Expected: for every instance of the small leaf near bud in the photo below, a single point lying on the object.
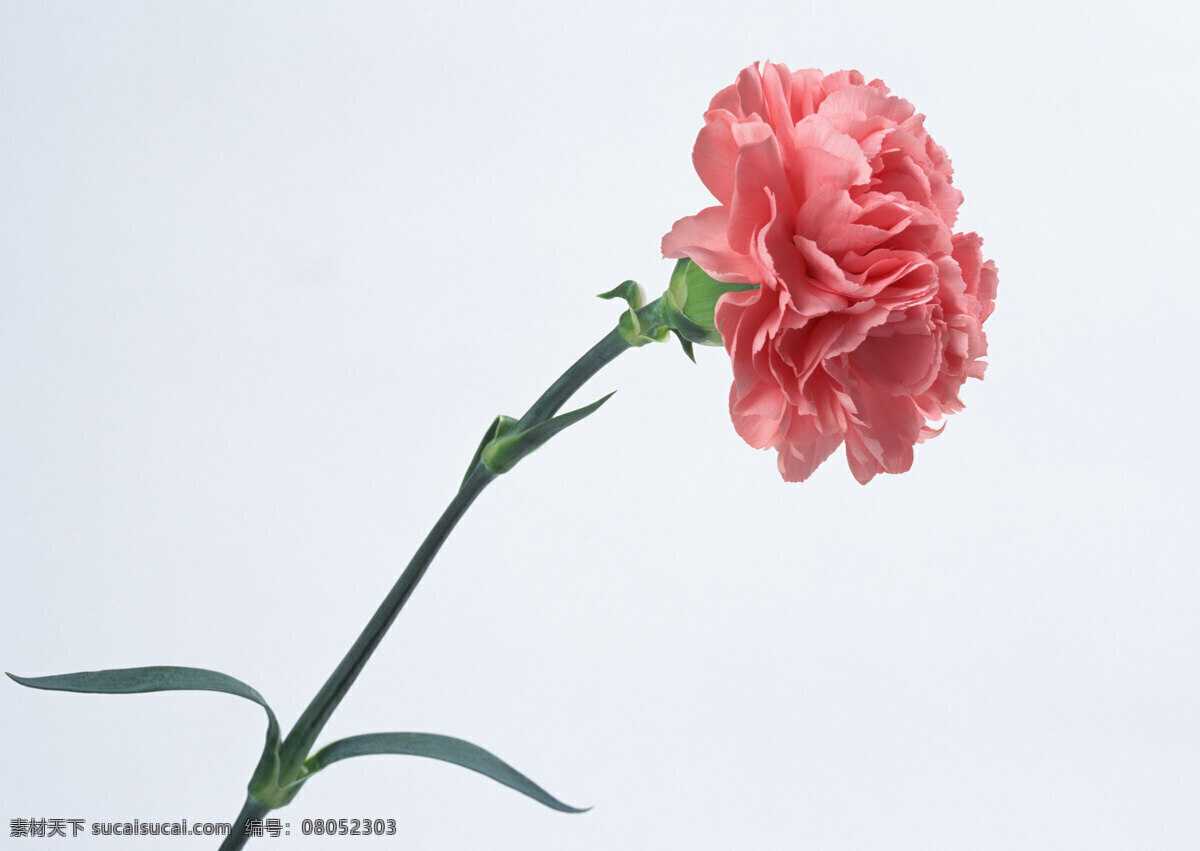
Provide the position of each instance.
(631, 291)
(510, 445)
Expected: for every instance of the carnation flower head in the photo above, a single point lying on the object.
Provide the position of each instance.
(868, 314)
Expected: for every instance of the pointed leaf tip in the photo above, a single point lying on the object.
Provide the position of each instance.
(168, 678)
(434, 746)
(631, 291)
(687, 347)
(503, 452)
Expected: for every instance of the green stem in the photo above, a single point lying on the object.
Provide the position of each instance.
(300, 740)
(560, 391)
(238, 836)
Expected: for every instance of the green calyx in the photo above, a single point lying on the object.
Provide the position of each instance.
(686, 309)
(691, 301)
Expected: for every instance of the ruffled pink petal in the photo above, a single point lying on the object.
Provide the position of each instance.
(798, 461)
(863, 102)
(902, 357)
(757, 413)
(806, 92)
(884, 442)
(758, 181)
(830, 157)
(703, 238)
(715, 154)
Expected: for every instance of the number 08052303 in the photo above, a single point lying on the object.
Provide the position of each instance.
(348, 827)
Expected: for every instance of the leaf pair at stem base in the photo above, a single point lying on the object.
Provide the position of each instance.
(266, 786)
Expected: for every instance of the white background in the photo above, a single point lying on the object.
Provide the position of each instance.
(267, 272)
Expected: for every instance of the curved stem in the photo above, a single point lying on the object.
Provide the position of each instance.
(300, 740)
(557, 393)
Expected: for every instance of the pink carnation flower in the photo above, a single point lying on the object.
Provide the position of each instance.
(867, 321)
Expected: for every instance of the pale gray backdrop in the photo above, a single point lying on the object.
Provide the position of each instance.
(268, 270)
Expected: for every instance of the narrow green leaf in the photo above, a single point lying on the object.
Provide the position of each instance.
(503, 453)
(542, 432)
(631, 291)
(445, 748)
(167, 678)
